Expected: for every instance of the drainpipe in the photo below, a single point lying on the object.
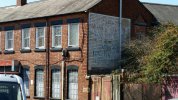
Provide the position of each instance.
(62, 84)
(64, 55)
(120, 32)
(47, 59)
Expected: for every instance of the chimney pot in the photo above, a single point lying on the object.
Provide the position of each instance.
(21, 2)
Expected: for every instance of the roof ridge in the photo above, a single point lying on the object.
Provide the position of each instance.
(160, 4)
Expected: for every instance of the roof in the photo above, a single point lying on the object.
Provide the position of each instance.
(163, 13)
(45, 8)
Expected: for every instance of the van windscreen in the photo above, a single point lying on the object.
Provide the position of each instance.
(10, 91)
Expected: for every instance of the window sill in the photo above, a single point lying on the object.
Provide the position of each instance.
(54, 99)
(35, 97)
(39, 50)
(9, 52)
(27, 96)
(73, 48)
(25, 50)
(53, 49)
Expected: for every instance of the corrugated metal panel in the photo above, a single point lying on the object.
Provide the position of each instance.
(45, 8)
(163, 13)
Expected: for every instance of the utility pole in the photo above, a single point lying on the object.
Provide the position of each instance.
(120, 32)
(62, 70)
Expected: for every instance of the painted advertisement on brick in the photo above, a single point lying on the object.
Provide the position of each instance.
(104, 41)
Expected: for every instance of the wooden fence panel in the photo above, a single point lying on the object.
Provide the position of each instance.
(152, 92)
(106, 88)
(116, 87)
(101, 88)
(132, 92)
(96, 88)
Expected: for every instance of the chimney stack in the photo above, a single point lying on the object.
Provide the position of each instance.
(21, 2)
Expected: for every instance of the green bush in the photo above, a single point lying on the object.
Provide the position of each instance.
(154, 56)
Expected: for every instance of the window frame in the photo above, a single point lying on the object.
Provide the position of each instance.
(69, 24)
(35, 85)
(59, 83)
(6, 40)
(72, 68)
(22, 39)
(37, 44)
(53, 36)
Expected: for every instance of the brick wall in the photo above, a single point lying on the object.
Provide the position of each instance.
(132, 9)
(77, 58)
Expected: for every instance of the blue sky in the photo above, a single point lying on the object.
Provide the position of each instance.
(13, 2)
(172, 2)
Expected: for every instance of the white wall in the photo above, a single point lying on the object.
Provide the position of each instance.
(104, 40)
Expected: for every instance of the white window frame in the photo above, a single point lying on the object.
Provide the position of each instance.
(25, 38)
(69, 35)
(6, 41)
(37, 44)
(27, 90)
(53, 37)
(37, 85)
(71, 96)
(54, 87)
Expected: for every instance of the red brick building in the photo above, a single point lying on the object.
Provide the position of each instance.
(32, 37)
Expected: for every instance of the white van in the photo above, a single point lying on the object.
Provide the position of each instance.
(11, 87)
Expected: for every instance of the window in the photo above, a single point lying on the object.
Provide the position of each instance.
(39, 89)
(26, 78)
(56, 36)
(26, 38)
(140, 35)
(40, 37)
(56, 83)
(9, 40)
(73, 34)
(73, 84)
(10, 91)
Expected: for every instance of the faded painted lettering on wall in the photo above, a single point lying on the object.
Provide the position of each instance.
(104, 41)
